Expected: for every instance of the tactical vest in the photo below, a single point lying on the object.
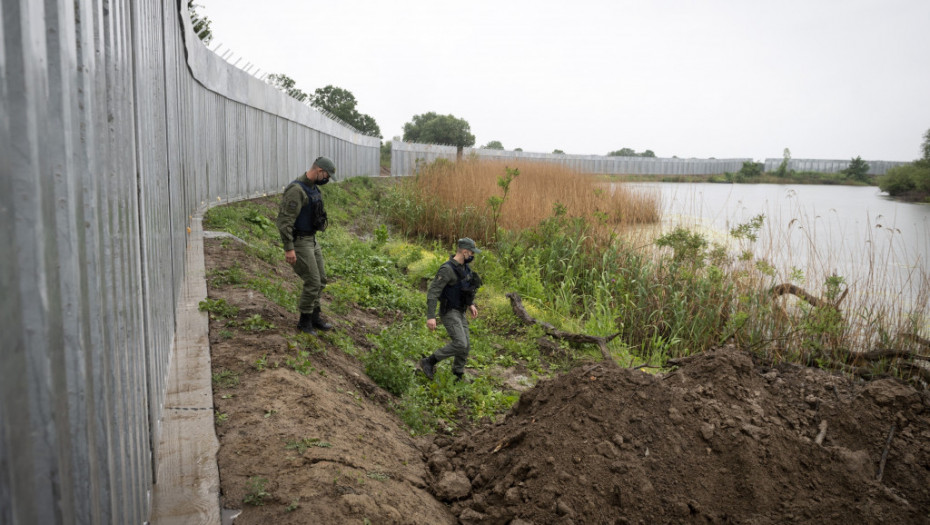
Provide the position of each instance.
(460, 295)
(312, 217)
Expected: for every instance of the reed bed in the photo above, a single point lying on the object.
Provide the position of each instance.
(447, 200)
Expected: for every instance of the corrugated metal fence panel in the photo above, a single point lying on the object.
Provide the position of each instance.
(110, 141)
(406, 157)
(876, 167)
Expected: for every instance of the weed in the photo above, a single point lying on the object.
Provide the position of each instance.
(220, 417)
(261, 363)
(226, 334)
(303, 444)
(255, 492)
(269, 413)
(256, 323)
(294, 505)
(218, 308)
(300, 363)
(226, 379)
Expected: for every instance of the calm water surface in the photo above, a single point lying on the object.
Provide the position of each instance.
(879, 246)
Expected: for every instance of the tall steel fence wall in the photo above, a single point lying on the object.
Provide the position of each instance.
(116, 125)
(407, 156)
(876, 167)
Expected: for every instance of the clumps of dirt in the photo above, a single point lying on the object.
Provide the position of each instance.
(308, 441)
(719, 440)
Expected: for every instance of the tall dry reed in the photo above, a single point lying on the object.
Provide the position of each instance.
(450, 197)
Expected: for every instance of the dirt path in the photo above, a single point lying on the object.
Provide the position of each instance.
(720, 440)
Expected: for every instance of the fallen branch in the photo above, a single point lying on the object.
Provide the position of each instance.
(787, 288)
(881, 465)
(518, 309)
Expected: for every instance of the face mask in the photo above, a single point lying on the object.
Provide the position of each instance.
(469, 259)
(322, 182)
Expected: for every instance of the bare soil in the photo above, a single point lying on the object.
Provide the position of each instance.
(719, 440)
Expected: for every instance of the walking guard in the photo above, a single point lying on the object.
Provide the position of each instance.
(300, 218)
(454, 289)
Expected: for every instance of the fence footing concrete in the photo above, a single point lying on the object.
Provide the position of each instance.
(188, 481)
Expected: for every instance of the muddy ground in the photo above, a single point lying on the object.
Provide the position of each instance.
(718, 440)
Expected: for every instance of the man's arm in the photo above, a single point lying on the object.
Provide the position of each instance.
(444, 276)
(291, 203)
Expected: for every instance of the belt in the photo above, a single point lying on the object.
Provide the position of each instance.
(303, 234)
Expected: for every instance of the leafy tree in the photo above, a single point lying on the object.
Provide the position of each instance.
(630, 152)
(287, 85)
(341, 103)
(623, 152)
(558, 152)
(858, 170)
(518, 149)
(494, 144)
(386, 154)
(750, 169)
(201, 23)
(432, 128)
(782, 170)
(925, 150)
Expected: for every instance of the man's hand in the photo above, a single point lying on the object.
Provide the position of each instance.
(431, 324)
(291, 257)
(473, 310)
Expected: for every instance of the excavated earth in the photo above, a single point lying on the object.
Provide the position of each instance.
(718, 440)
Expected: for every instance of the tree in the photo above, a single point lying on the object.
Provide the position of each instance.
(201, 23)
(287, 85)
(558, 152)
(858, 170)
(386, 154)
(649, 153)
(623, 152)
(432, 128)
(518, 149)
(782, 170)
(494, 144)
(750, 169)
(925, 150)
(341, 104)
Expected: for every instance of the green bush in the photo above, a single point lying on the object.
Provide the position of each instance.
(902, 180)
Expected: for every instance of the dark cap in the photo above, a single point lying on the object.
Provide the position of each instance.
(468, 244)
(325, 164)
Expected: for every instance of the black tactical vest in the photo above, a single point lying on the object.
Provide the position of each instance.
(312, 217)
(460, 295)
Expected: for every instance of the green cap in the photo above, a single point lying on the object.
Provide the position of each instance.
(468, 244)
(325, 164)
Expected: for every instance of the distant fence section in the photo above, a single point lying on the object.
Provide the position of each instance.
(116, 126)
(407, 156)
(876, 167)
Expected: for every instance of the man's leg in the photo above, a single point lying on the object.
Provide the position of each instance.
(309, 271)
(457, 326)
(315, 318)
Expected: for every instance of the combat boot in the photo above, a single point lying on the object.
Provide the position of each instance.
(462, 378)
(305, 324)
(428, 366)
(318, 321)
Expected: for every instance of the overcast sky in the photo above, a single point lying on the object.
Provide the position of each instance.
(825, 78)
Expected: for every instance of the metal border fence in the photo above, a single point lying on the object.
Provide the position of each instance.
(407, 156)
(116, 126)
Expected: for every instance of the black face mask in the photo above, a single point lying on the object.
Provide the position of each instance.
(322, 182)
(469, 259)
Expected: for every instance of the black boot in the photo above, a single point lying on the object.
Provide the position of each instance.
(462, 378)
(305, 324)
(318, 322)
(428, 366)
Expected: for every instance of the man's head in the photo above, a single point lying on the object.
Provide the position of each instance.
(467, 248)
(321, 171)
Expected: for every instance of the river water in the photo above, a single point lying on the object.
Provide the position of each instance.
(880, 247)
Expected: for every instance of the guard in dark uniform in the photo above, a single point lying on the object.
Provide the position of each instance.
(300, 218)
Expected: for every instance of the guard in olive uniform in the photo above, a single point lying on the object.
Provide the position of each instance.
(454, 289)
(300, 218)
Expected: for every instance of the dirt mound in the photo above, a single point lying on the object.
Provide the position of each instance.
(719, 440)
